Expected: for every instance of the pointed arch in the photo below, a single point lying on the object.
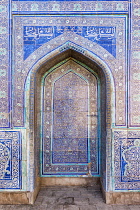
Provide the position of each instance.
(32, 96)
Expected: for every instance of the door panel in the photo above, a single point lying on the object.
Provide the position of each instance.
(70, 138)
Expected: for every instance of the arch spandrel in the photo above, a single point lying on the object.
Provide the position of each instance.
(85, 45)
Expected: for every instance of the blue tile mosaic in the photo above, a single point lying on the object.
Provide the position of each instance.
(103, 29)
(5, 67)
(79, 43)
(67, 106)
(10, 159)
(35, 36)
(127, 161)
(69, 0)
(75, 7)
(130, 160)
(5, 159)
(70, 143)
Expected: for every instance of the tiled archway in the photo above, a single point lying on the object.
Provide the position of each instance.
(34, 113)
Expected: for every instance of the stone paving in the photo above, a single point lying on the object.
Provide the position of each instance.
(69, 198)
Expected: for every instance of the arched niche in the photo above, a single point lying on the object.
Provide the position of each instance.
(33, 111)
(70, 121)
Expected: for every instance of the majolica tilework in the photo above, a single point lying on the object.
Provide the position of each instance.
(69, 0)
(69, 6)
(134, 67)
(10, 160)
(70, 119)
(41, 28)
(4, 64)
(36, 36)
(127, 160)
(117, 65)
(70, 143)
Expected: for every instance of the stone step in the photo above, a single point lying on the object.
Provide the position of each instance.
(93, 182)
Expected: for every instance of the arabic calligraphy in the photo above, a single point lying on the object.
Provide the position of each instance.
(38, 35)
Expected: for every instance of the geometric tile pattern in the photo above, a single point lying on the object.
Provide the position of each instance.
(124, 65)
(134, 84)
(10, 160)
(126, 160)
(70, 143)
(117, 65)
(60, 7)
(4, 64)
(70, 120)
(69, 0)
(5, 158)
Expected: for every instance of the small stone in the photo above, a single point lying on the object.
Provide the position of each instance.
(66, 201)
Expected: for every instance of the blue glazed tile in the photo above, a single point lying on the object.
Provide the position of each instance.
(69, 143)
(127, 161)
(35, 36)
(69, 0)
(10, 168)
